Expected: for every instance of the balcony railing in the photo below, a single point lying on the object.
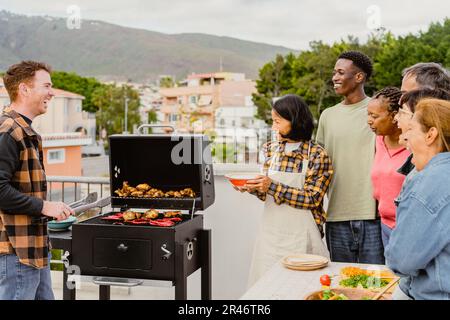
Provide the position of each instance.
(70, 189)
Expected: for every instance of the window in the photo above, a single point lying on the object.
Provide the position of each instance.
(193, 99)
(204, 100)
(56, 156)
(173, 118)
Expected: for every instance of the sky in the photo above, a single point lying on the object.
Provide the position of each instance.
(290, 23)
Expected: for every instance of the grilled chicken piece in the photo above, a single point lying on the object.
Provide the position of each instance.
(188, 192)
(119, 193)
(172, 214)
(137, 194)
(169, 194)
(159, 194)
(177, 194)
(123, 192)
(151, 214)
(127, 189)
(143, 187)
(129, 215)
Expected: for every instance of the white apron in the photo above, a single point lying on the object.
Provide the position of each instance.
(284, 229)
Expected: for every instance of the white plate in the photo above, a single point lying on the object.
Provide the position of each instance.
(304, 260)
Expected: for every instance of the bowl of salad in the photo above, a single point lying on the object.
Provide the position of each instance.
(343, 294)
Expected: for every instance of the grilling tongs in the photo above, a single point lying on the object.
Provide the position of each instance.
(81, 206)
(103, 202)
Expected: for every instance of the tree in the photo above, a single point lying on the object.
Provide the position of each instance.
(152, 116)
(77, 84)
(309, 74)
(166, 82)
(397, 54)
(274, 78)
(312, 75)
(110, 101)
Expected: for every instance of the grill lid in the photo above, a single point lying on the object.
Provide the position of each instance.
(164, 162)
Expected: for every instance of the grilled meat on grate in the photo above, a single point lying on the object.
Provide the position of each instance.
(144, 190)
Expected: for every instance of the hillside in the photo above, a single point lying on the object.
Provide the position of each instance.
(109, 51)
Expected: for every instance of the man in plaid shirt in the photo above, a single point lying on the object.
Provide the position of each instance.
(24, 244)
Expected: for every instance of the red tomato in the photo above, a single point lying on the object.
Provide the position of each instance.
(325, 280)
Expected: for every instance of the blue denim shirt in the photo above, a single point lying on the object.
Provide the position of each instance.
(419, 247)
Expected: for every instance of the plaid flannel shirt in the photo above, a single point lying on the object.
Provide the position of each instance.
(18, 233)
(317, 179)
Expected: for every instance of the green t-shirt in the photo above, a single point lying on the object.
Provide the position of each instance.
(350, 143)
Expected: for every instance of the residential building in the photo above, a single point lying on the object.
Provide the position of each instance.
(238, 129)
(240, 117)
(63, 152)
(151, 100)
(191, 107)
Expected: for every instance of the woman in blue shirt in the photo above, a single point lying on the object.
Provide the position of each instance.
(419, 247)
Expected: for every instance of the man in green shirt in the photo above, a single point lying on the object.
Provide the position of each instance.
(353, 230)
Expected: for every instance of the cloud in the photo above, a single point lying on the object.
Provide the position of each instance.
(291, 23)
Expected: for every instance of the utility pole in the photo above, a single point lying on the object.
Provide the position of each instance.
(126, 114)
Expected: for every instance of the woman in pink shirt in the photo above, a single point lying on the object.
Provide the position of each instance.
(389, 156)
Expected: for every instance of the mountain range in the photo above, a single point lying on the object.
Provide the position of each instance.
(112, 52)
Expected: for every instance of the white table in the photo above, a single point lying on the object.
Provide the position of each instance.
(281, 283)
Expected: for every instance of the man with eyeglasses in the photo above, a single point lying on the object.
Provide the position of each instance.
(423, 75)
(353, 231)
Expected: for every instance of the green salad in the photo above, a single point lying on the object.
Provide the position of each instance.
(363, 281)
(330, 295)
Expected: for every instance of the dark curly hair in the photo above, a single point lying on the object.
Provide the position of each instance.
(360, 60)
(393, 95)
(294, 109)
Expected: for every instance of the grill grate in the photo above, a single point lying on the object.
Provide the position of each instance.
(156, 198)
(99, 221)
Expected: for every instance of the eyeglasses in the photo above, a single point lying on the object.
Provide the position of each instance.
(406, 113)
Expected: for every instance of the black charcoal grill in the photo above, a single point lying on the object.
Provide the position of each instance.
(112, 252)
